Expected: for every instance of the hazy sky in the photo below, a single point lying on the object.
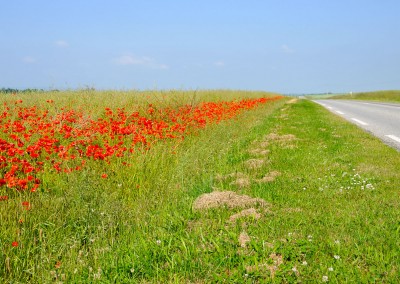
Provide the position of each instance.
(287, 46)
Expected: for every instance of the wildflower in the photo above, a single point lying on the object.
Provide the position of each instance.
(104, 176)
(26, 205)
(330, 269)
(14, 244)
(58, 264)
(324, 278)
(158, 242)
(369, 186)
(336, 256)
(304, 263)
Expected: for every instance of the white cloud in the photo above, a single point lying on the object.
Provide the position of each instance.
(286, 49)
(61, 43)
(29, 59)
(139, 61)
(219, 63)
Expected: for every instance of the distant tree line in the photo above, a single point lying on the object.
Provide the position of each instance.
(12, 91)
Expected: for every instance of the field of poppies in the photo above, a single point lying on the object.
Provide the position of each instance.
(33, 140)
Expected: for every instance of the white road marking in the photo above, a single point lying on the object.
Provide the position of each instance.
(359, 121)
(395, 138)
(339, 112)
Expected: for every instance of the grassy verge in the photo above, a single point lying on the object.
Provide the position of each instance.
(327, 209)
(383, 96)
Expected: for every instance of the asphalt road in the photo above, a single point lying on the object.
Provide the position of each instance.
(380, 119)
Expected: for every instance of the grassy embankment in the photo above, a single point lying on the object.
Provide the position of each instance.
(328, 207)
(381, 96)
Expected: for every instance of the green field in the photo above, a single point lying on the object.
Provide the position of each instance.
(382, 96)
(295, 194)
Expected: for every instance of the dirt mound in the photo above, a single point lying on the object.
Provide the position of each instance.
(254, 163)
(251, 212)
(241, 182)
(292, 101)
(228, 199)
(269, 177)
(258, 151)
(280, 138)
(243, 239)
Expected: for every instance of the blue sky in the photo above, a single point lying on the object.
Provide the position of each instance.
(285, 46)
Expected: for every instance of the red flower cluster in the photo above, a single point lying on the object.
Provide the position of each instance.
(32, 140)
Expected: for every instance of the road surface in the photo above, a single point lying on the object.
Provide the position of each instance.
(381, 119)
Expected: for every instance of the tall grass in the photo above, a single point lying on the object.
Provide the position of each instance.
(330, 215)
(79, 227)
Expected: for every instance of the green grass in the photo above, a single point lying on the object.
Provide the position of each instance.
(383, 96)
(333, 212)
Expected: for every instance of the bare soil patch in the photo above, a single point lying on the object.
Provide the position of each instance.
(280, 138)
(254, 163)
(251, 212)
(229, 199)
(259, 151)
(270, 177)
(243, 239)
(292, 101)
(242, 182)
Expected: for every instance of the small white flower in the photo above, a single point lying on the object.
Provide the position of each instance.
(246, 275)
(294, 269)
(304, 263)
(337, 242)
(324, 278)
(119, 185)
(336, 256)
(330, 268)
(158, 242)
